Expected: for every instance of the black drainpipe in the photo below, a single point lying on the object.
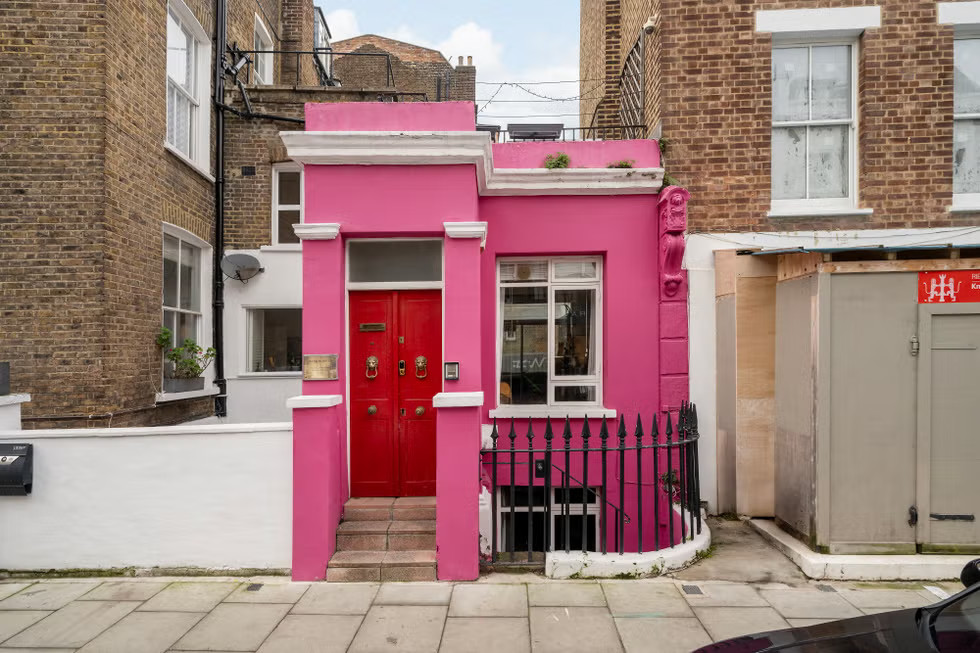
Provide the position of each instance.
(220, 45)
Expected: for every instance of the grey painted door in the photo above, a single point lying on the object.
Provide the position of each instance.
(872, 389)
(949, 395)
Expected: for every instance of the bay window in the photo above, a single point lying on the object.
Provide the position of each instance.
(966, 122)
(550, 346)
(813, 127)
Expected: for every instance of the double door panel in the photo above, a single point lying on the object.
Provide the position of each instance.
(396, 364)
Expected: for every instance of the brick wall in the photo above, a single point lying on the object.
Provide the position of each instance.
(434, 77)
(712, 95)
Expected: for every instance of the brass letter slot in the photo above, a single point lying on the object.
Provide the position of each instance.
(372, 326)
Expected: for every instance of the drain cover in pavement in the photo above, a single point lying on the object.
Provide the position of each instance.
(692, 589)
(254, 587)
(826, 588)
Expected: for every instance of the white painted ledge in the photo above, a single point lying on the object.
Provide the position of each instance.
(317, 231)
(457, 399)
(145, 431)
(822, 566)
(559, 564)
(467, 230)
(551, 412)
(825, 22)
(10, 400)
(164, 397)
(314, 401)
(817, 213)
(965, 16)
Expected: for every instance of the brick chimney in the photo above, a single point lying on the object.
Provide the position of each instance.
(464, 81)
(297, 35)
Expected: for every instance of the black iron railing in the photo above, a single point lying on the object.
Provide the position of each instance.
(251, 70)
(618, 133)
(539, 481)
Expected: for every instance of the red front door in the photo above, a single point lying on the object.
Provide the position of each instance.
(395, 369)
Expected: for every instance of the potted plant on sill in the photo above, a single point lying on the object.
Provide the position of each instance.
(186, 363)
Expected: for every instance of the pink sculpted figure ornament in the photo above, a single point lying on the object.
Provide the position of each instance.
(673, 222)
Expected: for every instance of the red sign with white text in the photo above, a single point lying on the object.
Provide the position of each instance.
(950, 286)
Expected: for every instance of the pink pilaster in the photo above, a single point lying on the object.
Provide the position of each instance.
(459, 406)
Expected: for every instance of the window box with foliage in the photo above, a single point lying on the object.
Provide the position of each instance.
(184, 365)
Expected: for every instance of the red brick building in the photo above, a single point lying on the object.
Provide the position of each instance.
(108, 185)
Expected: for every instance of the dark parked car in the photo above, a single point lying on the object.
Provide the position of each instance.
(950, 625)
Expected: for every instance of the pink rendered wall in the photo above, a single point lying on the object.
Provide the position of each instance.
(390, 116)
(583, 154)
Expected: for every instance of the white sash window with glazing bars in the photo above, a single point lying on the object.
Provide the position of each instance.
(966, 122)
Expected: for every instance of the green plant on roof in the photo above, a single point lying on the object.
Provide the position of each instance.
(556, 160)
(624, 163)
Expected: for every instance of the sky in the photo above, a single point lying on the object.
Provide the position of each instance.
(510, 41)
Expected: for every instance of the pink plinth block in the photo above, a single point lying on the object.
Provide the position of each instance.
(458, 493)
(319, 476)
(390, 116)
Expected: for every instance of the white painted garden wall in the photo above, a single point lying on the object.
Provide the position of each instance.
(206, 496)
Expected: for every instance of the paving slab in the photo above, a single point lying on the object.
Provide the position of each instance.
(46, 596)
(572, 594)
(583, 630)
(9, 589)
(414, 594)
(234, 626)
(723, 594)
(312, 633)
(37, 650)
(123, 591)
(893, 599)
(146, 632)
(876, 610)
(14, 621)
(803, 623)
(467, 634)
(73, 625)
(402, 628)
(268, 593)
(335, 598)
(636, 598)
(671, 634)
(725, 623)
(809, 604)
(740, 554)
(488, 601)
(189, 597)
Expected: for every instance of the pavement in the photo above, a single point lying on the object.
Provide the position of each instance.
(744, 586)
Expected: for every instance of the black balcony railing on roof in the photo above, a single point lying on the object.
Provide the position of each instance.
(538, 506)
(322, 58)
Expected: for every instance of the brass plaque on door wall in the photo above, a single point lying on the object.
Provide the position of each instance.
(372, 326)
(320, 367)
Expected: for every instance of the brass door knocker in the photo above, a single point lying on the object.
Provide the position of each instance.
(420, 368)
(372, 366)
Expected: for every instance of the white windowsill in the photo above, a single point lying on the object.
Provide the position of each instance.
(189, 162)
(271, 375)
(554, 412)
(803, 212)
(964, 209)
(164, 397)
(284, 247)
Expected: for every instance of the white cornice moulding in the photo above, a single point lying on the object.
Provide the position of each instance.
(317, 231)
(314, 401)
(454, 148)
(457, 399)
(827, 22)
(965, 16)
(467, 230)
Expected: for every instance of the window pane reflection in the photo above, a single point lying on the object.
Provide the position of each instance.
(574, 332)
(524, 354)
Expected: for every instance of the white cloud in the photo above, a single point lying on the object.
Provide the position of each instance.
(342, 24)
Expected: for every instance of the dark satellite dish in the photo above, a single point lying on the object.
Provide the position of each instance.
(241, 266)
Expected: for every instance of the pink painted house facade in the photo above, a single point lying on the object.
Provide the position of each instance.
(450, 284)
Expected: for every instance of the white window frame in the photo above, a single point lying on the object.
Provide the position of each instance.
(248, 312)
(278, 168)
(551, 407)
(806, 206)
(966, 201)
(204, 324)
(199, 157)
(263, 71)
(593, 508)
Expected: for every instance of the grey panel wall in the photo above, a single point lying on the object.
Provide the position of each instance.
(795, 404)
(725, 370)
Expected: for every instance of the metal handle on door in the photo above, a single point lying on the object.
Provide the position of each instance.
(372, 410)
(420, 411)
(420, 366)
(372, 366)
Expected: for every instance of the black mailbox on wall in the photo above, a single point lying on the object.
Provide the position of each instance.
(16, 469)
